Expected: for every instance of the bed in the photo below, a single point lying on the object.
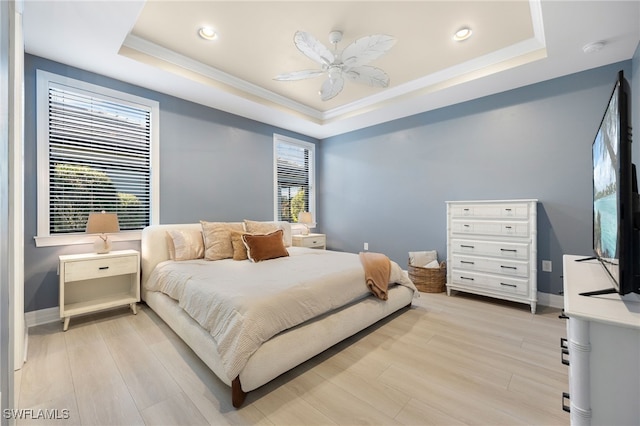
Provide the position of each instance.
(177, 292)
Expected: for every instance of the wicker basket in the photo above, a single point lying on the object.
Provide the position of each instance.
(429, 280)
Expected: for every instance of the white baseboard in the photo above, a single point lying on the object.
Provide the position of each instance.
(43, 316)
(552, 300)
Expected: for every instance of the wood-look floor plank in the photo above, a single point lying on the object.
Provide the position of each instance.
(453, 360)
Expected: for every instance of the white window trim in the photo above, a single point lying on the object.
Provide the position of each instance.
(43, 238)
(312, 172)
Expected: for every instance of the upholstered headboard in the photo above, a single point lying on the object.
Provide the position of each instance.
(154, 248)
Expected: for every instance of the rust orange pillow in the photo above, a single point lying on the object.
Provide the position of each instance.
(264, 247)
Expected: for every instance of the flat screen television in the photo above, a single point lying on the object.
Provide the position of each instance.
(615, 195)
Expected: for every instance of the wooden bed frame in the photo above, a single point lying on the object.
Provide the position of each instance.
(281, 353)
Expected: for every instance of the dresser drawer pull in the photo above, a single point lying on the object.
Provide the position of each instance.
(507, 227)
(508, 267)
(509, 285)
(466, 226)
(467, 262)
(564, 348)
(565, 407)
(508, 210)
(103, 268)
(467, 278)
(510, 250)
(466, 246)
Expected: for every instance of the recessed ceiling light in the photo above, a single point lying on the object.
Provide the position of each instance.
(462, 34)
(593, 47)
(207, 33)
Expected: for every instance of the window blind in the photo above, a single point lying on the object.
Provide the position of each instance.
(99, 159)
(294, 183)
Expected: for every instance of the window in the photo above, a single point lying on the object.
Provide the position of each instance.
(96, 150)
(294, 178)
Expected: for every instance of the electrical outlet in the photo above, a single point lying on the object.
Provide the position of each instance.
(546, 266)
(366, 246)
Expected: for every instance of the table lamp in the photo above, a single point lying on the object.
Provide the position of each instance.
(306, 219)
(103, 224)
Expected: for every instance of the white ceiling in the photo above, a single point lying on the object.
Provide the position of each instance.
(154, 44)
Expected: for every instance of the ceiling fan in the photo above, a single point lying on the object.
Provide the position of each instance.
(350, 63)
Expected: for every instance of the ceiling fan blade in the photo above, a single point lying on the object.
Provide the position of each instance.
(312, 48)
(369, 75)
(298, 75)
(366, 49)
(331, 87)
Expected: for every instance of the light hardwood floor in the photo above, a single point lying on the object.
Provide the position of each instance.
(448, 360)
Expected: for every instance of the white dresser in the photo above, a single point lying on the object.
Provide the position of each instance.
(492, 249)
(603, 348)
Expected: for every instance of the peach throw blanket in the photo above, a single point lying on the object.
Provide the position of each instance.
(377, 270)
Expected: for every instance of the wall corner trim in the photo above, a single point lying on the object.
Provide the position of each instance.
(42, 316)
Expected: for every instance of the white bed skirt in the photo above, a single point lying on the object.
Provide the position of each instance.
(284, 351)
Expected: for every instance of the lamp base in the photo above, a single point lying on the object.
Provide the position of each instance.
(102, 246)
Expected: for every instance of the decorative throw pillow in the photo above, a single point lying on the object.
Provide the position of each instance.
(257, 227)
(421, 258)
(217, 239)
(185, 244)
(239, 249)
(264, 247)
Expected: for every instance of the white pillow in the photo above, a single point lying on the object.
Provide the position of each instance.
(185, 244)
(267, 227)
(417, 258)
(433, 264)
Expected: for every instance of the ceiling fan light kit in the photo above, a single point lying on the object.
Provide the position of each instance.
(350, 63)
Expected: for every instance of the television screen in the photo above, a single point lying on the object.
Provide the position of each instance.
(616, 237)
(606, 168)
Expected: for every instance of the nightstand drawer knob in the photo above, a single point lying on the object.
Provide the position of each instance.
(102, 268)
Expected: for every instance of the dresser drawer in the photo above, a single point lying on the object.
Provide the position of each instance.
(97, 268)
(496, 228)
(495, 266)
(491, 211)
(519, 251)
(506, 285)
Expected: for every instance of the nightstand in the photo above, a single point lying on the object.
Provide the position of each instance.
(92, 282)
(311, 240)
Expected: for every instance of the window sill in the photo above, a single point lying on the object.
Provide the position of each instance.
(74, 239)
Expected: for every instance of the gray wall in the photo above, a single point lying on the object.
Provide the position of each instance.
(387, 185)
(213, 166)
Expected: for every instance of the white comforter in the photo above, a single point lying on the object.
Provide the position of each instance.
(243, 304)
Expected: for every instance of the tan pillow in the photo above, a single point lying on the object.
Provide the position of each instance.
(264, 247)
(257, 227)
(185, 244)
(239, 249)
(217, 239)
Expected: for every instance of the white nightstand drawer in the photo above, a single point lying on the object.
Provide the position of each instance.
(97, 268)
(310, 241)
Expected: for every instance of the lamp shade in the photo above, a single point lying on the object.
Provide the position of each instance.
(102, 223)
(305, 217)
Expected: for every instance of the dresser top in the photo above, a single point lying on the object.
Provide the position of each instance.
(531, 200)
(589, 275)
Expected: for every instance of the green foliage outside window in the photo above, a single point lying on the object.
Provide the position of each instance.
(77, 190)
